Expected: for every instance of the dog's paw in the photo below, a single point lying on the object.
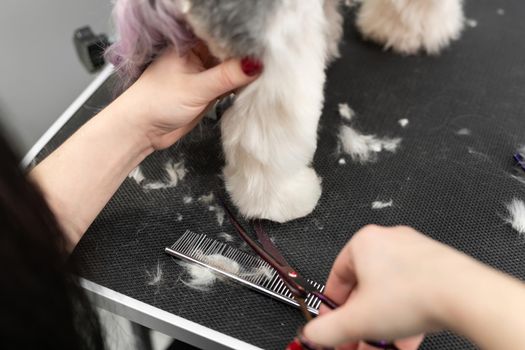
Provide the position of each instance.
(279, 198)
(411, 26)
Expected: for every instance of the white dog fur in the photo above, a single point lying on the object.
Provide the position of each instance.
(409, 26)
(270, 134)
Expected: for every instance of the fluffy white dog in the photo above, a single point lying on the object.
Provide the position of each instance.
(269, 135)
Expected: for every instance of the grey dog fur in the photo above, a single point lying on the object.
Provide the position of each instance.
(234, 25)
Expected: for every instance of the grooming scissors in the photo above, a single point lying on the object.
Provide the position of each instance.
(298, 285)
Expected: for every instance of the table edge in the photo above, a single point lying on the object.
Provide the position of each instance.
(66, 116)
(160, 320)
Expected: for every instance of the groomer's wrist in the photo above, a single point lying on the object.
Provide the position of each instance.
(442, 288)
(144, 113)
(465, 296)
(130, 117)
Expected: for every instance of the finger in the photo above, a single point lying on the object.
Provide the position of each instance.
(227, 76)
(342, 278)
(336, 327)
(347, 325)
(411, 343)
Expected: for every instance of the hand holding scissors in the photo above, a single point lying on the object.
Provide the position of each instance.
(297, 284)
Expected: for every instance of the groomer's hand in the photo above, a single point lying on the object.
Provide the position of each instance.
(165, 103)
(392, 283)
(171, 96)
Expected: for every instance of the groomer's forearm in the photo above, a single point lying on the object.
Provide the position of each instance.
(487, 307)
(80, 177)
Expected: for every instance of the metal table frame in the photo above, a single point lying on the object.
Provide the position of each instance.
(121, 304)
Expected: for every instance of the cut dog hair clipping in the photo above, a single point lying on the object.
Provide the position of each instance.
(382, 204)
(345, 111)
(403, 122)
(516, 217)
(364, 148)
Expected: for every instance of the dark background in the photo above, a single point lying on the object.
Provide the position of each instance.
(453, 188)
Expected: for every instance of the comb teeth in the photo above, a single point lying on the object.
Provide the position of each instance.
(196, 248)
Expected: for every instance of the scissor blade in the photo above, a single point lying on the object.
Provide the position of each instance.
(268, 245)
(244, 235)
(286, 272)
(304, 309)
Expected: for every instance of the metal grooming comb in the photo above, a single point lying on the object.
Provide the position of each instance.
(195, 248)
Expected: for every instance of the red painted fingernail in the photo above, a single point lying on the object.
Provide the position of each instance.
(295, 345)
(251, 66)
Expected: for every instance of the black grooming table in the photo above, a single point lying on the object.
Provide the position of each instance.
(452, 187)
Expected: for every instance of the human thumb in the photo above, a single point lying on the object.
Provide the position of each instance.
(228, 76)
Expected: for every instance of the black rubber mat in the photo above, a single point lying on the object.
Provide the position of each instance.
(452, 187)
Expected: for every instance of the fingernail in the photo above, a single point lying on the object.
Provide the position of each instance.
(251, 66)
(295, 345)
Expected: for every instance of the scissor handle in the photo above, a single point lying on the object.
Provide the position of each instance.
(325, 300)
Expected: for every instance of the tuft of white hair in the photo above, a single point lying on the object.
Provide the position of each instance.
(472, 23)
(226, 237)
(137, 175)
(364, 148)
(201, 278)
(219, 213)
(155, 276)
(207, 198)
(345, 111)
(403, 122)
(516, 218)
(261, 272)
(382, 205)
(175, 172)
(463, 132)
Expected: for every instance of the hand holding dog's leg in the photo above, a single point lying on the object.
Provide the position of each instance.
(167, 101)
